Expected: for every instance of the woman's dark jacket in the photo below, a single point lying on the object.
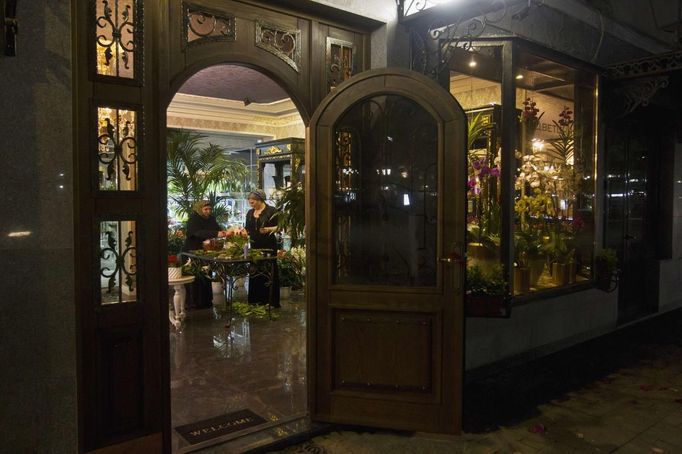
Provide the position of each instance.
(267, 218)
(199, 229)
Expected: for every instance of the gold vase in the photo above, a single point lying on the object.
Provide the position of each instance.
(560, 273)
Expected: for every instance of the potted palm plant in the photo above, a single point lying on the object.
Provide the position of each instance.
(197, 171)
(291, 218)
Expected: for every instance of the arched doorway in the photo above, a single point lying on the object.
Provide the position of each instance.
(120, 106)
(237, 371)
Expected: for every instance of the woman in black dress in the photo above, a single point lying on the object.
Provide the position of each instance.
(201, 226)
(261, 223)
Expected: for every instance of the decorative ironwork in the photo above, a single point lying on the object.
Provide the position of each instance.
(118, 38)
(282, 42)
(433, 49)
(118, 261)
(230, 269)
(393, 184)
(117, 151)
(649, 66)
(340, 61)
(8, 19)
(640, 92)
(202, 25)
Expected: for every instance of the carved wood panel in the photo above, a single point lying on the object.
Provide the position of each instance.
(383, 352)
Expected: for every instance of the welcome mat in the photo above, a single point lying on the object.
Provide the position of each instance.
(220, 425)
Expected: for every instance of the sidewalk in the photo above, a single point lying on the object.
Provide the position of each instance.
(620, 393)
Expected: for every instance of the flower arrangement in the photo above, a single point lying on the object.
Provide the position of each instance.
(486, 283)
(292, 268)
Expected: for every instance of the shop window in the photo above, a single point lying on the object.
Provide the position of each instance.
(551, 223)
(554, 185)
(117, 256)
(475, 83)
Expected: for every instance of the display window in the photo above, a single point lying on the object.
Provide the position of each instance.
(552, 153)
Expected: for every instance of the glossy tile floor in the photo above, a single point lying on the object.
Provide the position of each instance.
(254, 364)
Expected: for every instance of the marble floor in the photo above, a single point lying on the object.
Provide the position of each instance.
(255, 364)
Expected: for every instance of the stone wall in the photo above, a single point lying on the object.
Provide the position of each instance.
(37, 320)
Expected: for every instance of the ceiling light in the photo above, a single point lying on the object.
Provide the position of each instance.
(519, 76)
(472, 63)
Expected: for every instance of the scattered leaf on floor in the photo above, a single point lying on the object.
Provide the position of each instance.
(646, 387)
(538, 429)
(580, 435)
(657, 450)
(679, 401)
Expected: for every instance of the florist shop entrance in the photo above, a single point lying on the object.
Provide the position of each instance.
(236, 263)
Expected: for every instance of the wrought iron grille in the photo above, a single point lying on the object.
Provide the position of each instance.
(118, 262)
(118, 38)
(385, 194)
(202, 25)
(117, 149)
(280, 41)
(340, 63)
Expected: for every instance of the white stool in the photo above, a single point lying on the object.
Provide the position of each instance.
(176, 312)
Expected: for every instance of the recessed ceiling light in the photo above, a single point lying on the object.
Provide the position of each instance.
(519, 76)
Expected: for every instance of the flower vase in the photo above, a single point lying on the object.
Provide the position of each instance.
(521, 279)
(560, 273)
(572, 272)
(174, 273)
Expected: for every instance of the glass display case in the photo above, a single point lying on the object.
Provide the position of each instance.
(280, 164)
(531, 164)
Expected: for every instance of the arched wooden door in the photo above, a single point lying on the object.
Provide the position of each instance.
(386, 226)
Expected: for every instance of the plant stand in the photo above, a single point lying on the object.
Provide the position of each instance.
(489, 306)
(176, 311)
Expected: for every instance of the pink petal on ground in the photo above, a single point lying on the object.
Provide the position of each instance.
(538, 429)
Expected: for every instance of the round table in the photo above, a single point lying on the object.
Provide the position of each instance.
(176, 312)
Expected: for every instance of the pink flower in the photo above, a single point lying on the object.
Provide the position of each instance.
(495, 172)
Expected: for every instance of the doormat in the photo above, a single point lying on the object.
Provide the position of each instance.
(220, 425)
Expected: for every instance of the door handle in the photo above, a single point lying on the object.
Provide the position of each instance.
(453, 258)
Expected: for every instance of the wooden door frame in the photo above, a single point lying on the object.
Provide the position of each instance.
(359, 87)
(166, 65)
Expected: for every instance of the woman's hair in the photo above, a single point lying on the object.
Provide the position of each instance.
(199, 205)
(257, 194)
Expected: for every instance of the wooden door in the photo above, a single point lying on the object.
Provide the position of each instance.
(633, 150)
(386, 225)
(120, 224)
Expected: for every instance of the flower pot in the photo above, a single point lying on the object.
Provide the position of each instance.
(285, 293)
(487, 306)
(521, 279)
(217, 287)
(174, 272)
(481, 256)
(560, 273)
(537, 267)
(572, 272)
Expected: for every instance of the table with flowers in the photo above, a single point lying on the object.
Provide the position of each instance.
(229, 266)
